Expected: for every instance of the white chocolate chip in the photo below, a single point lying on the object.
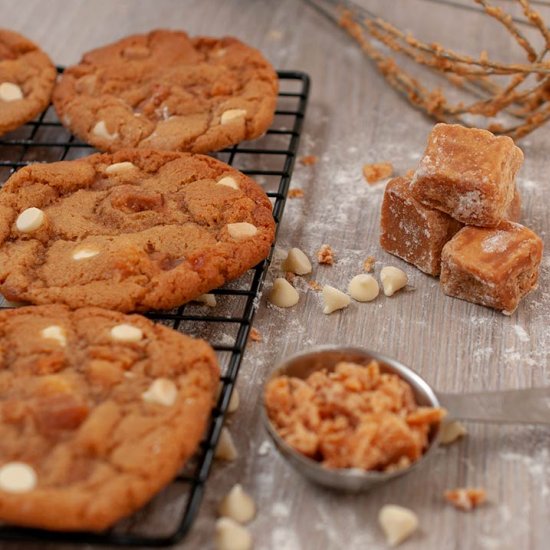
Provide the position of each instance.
(283, 294)
(10, 92)
(126, 333)
(232, 536)
(297, 262)
(228, 181)
(450, 431)
(397, 522)
(17, 477)
(84, 253)
(100, 130)
(232, 114)
(55, 332)
(393, 279)
(119, 167)
(226, 449)
(237, 505)
(334, 299)
(30, 220)
(234, 401)
(162, 392)
(363, 288)
(241, 230)
(206, 299)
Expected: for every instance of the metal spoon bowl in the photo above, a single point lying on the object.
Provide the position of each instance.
(527, 406)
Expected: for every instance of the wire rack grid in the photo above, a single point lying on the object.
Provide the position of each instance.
(270, 161)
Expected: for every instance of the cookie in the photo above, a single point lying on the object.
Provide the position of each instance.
(99, 412)
(27, 78)
(130, 231)
(164, 90)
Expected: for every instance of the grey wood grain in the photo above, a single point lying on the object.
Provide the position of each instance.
(354, 118)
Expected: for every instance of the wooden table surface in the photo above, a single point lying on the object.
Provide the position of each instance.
(354, 118)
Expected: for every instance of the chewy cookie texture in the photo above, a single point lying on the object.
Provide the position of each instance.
(130, 231)
(165, 90)
(99, 411)
(27, 78)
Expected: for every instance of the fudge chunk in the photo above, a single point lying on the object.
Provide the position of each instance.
(412, 231)
(493, 267)
(467, 173)
(513, 212)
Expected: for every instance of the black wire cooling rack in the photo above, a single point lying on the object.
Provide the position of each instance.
(270, 161)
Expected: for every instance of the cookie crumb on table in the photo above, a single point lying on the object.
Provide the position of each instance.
(308, 160)
(295, 193)
(377, 171)
(325, 255)
(289, 276)
(368, 264)
(314, 285)
(255, 335)
(466, 498)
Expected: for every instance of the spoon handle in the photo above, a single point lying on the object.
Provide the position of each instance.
(529, 406)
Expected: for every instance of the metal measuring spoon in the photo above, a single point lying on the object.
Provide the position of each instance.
(529, 406)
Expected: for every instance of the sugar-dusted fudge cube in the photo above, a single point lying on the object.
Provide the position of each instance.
(513, 212)
(493, 267)
(412, 231)
(468, 173)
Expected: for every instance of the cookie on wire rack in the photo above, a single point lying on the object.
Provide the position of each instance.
(99, 411)
(129, 231)
(27, 78)
(165, 90)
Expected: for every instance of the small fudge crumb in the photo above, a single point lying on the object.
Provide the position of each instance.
(308, 160)
(368, 264)
(314, 285)
(255, 335)
(325, 255)
(410, 173)
(377, 171)
(466, 498)
(295, 193)
(352, 417)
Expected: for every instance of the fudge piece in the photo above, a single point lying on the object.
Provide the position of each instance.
(513, 212)
(493, 267)
(411, 231)
(467, 173)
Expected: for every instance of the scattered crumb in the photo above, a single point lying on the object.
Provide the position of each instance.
(264, 448)
(308, 160)
(466, 498)
(295, 193)
(289, 276)
(410, 173)
(373, 173)
(325, 255)
(275, 34)
(255, 335)
(368, 264)
(314, 285)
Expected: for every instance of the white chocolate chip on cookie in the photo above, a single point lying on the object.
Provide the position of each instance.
(393, 279)
(334, 299)
(232, 536)
(226, 450)
(55, 332)
(297, 262)
(17, 477)
(241, 230)
(84, 253)
(397, 522)
(363, 288)
(10, 92)
(120, 167)
(232, 114)
(100, 130)
(126, 333)
(30, 220)
(228, 181)
(237, 505)
(162, 392)
(283, 294)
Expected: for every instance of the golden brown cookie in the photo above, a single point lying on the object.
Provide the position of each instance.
(164, 90)
(99, 411)
(130, 231)
(27, 77)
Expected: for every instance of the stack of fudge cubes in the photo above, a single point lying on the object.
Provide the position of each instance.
(457, 218)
